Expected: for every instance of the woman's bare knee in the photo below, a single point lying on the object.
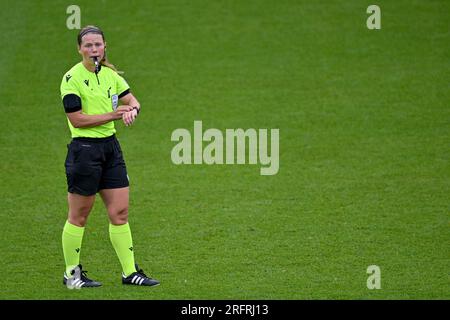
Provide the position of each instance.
(118, 216)
(79, 221)
(79, 209)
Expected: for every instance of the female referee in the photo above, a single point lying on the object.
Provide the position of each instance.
(90, 92)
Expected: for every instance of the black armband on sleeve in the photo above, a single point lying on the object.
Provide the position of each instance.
(123, 94)
(71, 103)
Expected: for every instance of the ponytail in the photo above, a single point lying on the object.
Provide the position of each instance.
(108, 64)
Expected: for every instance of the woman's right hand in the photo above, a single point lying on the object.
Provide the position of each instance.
(121, 110)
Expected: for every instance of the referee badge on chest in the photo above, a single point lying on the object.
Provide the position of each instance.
(114, 101)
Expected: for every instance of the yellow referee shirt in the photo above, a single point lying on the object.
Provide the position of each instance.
(98, 93)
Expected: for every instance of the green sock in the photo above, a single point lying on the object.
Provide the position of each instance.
(72, 237)
(123, 244)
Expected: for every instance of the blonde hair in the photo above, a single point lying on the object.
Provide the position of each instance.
(96, 30)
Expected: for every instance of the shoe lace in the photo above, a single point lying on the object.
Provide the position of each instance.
(84, 276)
(141, 272)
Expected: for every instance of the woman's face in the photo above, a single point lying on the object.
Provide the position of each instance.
(92, 45)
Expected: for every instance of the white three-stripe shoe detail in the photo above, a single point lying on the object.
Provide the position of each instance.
(78, 279)
(78, 283)
(139, 278)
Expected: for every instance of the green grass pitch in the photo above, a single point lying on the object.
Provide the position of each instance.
(364, 149)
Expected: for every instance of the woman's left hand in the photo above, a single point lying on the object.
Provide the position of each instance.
(129, 117)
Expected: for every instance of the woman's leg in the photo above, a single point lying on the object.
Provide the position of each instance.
(116, 202)
(79, 208)
(72, 236)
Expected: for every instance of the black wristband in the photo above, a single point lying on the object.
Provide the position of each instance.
(137, 109)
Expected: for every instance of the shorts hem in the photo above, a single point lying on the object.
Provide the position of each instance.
(113, 187)
(82, 193)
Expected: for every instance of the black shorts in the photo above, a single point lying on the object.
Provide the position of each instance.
(93, 164)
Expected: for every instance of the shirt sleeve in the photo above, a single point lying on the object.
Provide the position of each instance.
(121, 85)
(68, 86)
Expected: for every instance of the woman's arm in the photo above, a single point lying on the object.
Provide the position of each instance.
(130, 100)
(129, 117)
(81, 120)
